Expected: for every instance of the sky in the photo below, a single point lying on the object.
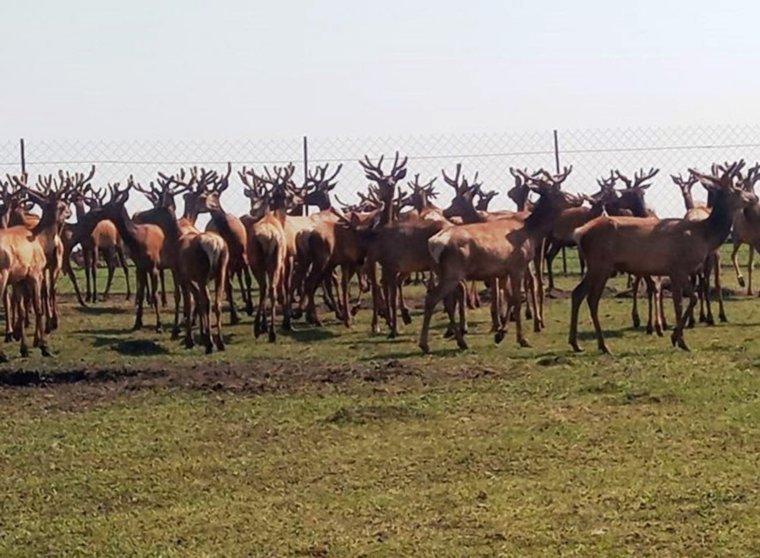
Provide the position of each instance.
(168, 69)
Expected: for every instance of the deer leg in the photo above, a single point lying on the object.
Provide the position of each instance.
(287, 292)
(705, 284)
(719, 287)
(95, 257)
(163, 288)
(539, 285)
(142, 282)
(677, 338)
(40, 340)
(496, 317)
(734, 261)
(261, 279)
(274, 285)
(217, 310)
(390, 283)
(530, 288)
(8, 308)
(313, 281)
(444, 287)
(405, 316)
(154, 298)
(750, 257)
(205, 312)
(123, 263)
(234, 318)
(551, 252)
(249, 294)
(345, 277)
(179, 292)
(515, 280)
(635, 306)
(87, 257)
(110, 258)
(187, 304)
(594, 296)
(653, 296)
(580, 292)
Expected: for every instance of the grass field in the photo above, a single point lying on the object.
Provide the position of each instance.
(333, 442)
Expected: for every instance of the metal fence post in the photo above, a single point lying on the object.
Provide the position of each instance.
(556, 167)
(305, 166)
(23, 156)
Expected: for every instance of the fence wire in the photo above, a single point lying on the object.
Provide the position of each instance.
(591, 152)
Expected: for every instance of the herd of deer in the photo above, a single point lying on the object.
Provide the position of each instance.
(292, 254)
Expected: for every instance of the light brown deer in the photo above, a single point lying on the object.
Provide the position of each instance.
(24, 256)
(675, 248)
(491, 250)
(268, 252)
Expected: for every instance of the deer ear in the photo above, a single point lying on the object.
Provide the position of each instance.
(401, 174)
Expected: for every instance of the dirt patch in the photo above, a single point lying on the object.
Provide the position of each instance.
(82, 386)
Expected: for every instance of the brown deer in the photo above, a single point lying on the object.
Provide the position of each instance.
(490, 250)
(268, 252)
(104, 240)
(675, 248)
(147, 247)
(24, 255)
(699, 212)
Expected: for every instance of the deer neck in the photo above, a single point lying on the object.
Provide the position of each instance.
(718, 224)
(539, 223)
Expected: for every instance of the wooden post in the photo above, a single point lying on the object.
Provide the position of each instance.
(23, 156)
(305, 166)
(556, 166)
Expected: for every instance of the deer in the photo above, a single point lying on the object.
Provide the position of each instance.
(746, 229)
(234, 233)
(162, 195)
(24, 255)
(675, 248)
(267, 251)
(698, 212)
(490, 250)
(147, 247)
(104, 240)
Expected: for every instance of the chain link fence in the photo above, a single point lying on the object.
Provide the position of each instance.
(591, 152)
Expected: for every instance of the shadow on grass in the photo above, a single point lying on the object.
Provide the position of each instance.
(102, 310)
(308, 335)
(129, 347)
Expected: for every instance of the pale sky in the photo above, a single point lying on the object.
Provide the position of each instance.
(233, 69)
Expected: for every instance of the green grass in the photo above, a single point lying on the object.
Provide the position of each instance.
(334, 442)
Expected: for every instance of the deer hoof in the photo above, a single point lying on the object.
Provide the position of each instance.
(741, 281)
(209, 348)
(425, 348)
(355, 309)
(220, 345)
(24, 351)
(189, 343)
(523, 343)
(710, 320)
(498, 336)
(45, 351)
(159, 329)
(272, 337)
(650, 329)
(462, 344)
(392, 335)
(8, 337)
(723, 319)
(636, 321)
(4, 358)
(234, 319)
(405, 317)
(576, 347)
